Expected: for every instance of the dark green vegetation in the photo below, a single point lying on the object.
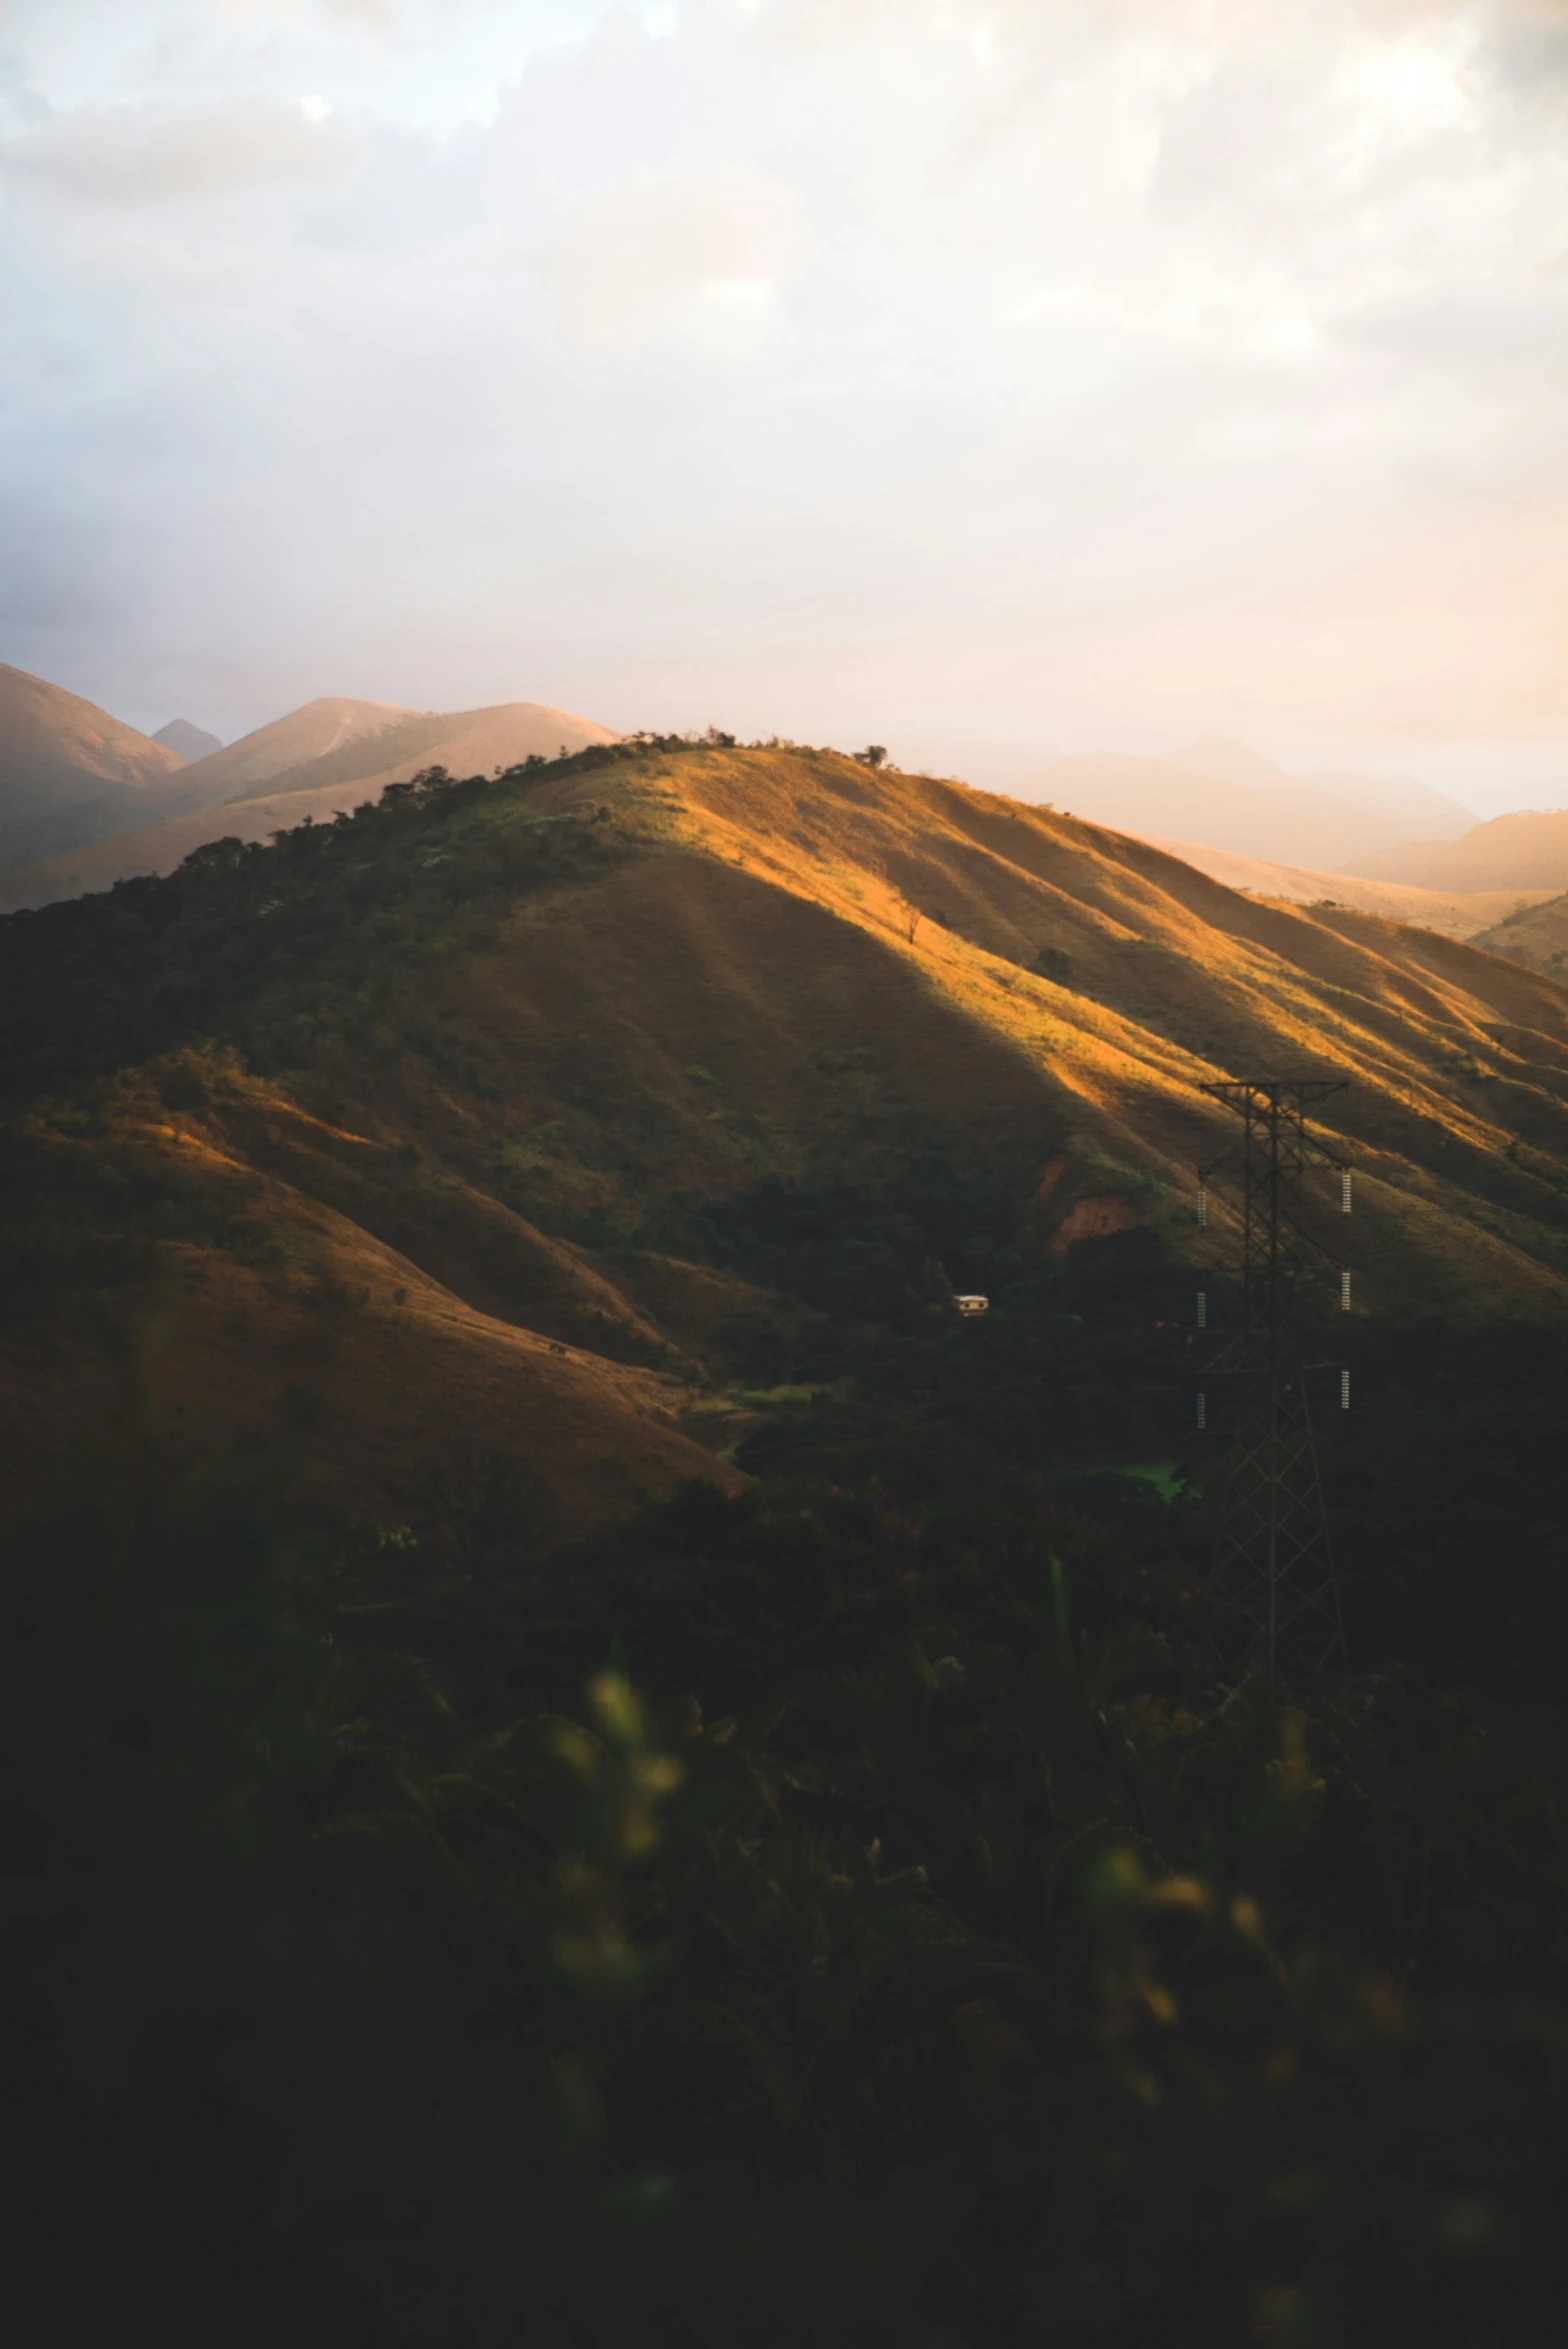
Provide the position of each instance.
(920, 1956)
(845, 1913)
(284, 946)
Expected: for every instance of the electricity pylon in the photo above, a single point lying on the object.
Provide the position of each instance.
(1273, 1562)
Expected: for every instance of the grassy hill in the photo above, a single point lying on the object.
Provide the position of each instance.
(69, 772)
(1526, 850)
(1456, 913)
(321, 760)
(556, 1113)
(1535, 935)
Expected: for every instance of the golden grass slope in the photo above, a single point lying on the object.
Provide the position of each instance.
(794, 968)
(1458, 1063)
(288, 1319)
(743, 998)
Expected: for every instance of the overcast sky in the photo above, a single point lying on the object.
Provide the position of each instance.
(985, 377)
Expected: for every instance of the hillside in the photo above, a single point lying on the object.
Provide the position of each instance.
(321, 760)
(1526, 850)
(1412, 808)
(508, 1108)
(1286, 822)
(335, 723)
(1453, 912)
(1397, 806)
(1535, 935)
(68, 771)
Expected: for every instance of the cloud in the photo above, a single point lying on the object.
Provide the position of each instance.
(820, 366)
(698, 256)
(161, 154)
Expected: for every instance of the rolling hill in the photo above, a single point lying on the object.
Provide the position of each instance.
(322, 759)
(1526, 850)
(333, 727)
(1456, 913)
(69, 772)
(1535, 935)
(1395, 805)
(1413, 809)
(411, 1132)
(1237, 801)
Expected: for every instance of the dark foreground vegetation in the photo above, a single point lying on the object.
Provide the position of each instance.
(812, 1917)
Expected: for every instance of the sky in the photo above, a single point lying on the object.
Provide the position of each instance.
(988, 378)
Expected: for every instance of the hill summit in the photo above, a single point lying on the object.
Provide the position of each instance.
(190, 742)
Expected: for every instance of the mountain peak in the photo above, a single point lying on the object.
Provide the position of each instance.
(187, 741)
(1233, 761)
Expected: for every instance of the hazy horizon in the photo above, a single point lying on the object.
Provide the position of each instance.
(992, 378)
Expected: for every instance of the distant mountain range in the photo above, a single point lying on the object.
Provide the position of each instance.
(1382, 843)
(1229, 796)
(86, 802)
(1454, 913)
(69, 772)
(1526, 850)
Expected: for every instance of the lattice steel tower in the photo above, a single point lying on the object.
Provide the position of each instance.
(1273, 1562)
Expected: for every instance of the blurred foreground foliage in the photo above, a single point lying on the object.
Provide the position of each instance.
(806, 1918)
